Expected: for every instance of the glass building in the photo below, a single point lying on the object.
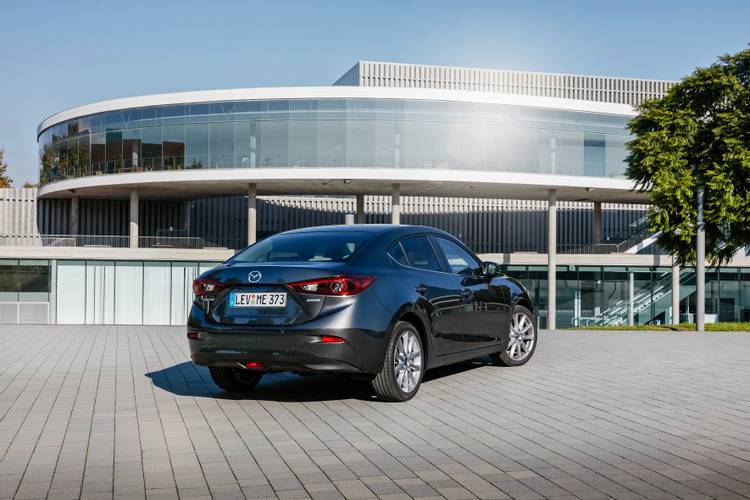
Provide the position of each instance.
(350, 133)
(484, 154)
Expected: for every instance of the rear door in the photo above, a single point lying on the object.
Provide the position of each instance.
(485, 304)
(438, 292)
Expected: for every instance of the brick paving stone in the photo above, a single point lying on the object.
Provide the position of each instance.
(120, 412)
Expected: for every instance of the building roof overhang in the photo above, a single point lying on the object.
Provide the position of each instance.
(204, 183)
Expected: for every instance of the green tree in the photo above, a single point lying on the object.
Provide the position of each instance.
(697, 136)
(5, 181)
(29, 184)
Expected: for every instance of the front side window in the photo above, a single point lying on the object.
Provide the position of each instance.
(459, 260)
(420, 254)
(304, 247)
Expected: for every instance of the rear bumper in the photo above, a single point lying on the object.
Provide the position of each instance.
(291, 350)
(283, 348)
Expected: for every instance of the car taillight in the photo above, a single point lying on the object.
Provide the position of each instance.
(203, 287)
(335, 285)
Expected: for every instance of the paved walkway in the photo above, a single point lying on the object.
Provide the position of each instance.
(96, 412)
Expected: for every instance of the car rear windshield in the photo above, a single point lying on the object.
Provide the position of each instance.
(305, 247)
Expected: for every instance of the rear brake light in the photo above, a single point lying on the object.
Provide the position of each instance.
(335, 285)
(254, 365)
(203, 287)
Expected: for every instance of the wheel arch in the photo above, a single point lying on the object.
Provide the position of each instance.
(414, 315)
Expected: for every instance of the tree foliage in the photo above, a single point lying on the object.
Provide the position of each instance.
(697, 136)
(5, 181)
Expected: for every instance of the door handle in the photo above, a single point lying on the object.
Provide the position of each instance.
(420, 289)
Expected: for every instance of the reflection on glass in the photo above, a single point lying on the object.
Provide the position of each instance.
(336, 133)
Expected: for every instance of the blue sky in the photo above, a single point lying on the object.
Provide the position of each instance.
(55, 55)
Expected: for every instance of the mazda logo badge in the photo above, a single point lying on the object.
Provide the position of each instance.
(254, 276)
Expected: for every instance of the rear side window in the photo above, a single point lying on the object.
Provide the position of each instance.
(459, 260)
(305, 247)
(397, 254)
(420, 254)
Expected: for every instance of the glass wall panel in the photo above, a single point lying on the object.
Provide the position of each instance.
(642, 303)
(567, 290)
(591, 299)
(174, 147)
(129, 293)
(98, 154)
(8, 280)
(156, 293)
(242, 149)
(114, 152)
(744, 299)
(221, 140)
(614, 296)
(183, 274)
(151, 148)
(729, 294)
(84, 154)
(100, 292)
(71, 292)
(197, 146)
(594, 155)
(131, 150)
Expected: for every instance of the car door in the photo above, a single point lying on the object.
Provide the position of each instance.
(438, 292)
(485, 299)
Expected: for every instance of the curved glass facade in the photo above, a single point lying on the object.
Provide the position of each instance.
(336, 133)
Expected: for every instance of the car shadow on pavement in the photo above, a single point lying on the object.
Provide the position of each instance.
(187, 379)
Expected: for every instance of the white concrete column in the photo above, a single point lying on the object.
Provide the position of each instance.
(700, 269)
(675, 293)
(552, 260)
(186, 216)
(348, 219)
(360, 219)
(597, 233)
(134, 206)
(396, 204)
(252, 221)
(75, 215)
(631, 298)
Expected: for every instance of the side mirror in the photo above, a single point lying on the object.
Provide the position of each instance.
(490, 268)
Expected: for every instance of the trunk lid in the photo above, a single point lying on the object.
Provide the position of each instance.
(268, 277)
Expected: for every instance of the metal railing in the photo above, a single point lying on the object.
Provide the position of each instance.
(112, 241)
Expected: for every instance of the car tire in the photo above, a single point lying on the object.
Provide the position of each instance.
(403, 367)
(522, 339)
(235, 379)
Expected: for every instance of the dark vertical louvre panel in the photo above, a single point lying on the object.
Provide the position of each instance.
(485, 225)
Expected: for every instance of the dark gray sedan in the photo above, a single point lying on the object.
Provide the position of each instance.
(384, 302)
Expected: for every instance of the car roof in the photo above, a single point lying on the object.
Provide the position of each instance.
(381, 229)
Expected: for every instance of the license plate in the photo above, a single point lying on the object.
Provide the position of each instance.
(258, 299)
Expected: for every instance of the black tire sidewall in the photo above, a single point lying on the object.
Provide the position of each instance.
(385, 383)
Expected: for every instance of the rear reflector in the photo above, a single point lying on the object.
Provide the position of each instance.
(194, 335)
(330, 339)
(254, 365)
(334, 285)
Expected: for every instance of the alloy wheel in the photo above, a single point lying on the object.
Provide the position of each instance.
(407, 361)
(522, 337)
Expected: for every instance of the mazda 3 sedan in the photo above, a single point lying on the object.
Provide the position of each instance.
(384, 302)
